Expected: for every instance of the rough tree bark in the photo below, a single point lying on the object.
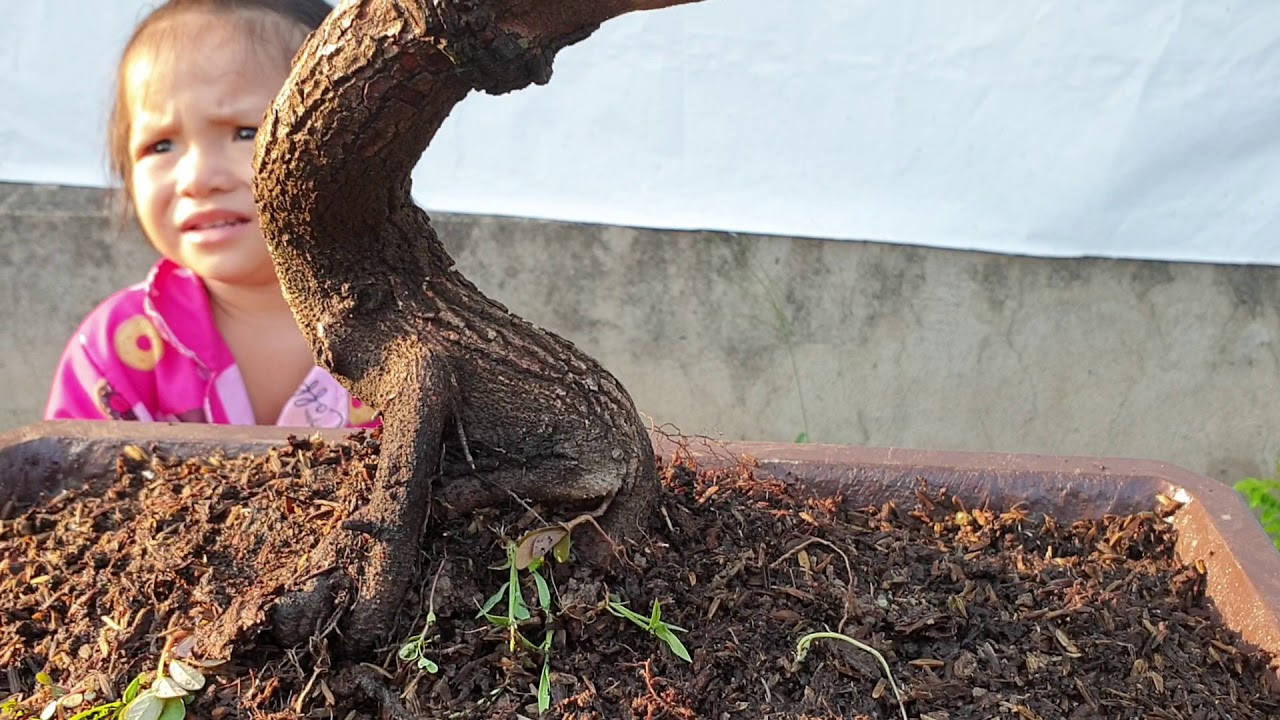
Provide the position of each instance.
(476, 402)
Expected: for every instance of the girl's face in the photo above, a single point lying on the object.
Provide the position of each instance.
(194, 105)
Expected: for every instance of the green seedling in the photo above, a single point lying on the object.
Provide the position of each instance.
(414, 649)
(11, 708)
(653, 625)
(167, 696)
(516, 609)
(64, 699)
(544, 602)
(1263, 496)
(162, 697)
(113, 709)
(802, 649)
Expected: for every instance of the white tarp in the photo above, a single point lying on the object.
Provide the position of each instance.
(1131, 129)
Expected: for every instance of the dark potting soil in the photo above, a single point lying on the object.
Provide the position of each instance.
(978, 613)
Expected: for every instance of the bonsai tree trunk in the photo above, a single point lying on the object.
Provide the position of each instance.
(477, 404)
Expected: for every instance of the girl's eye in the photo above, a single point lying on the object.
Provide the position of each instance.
(246, 133)
(160, 146)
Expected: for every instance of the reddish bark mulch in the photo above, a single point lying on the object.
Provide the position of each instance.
(978, 613)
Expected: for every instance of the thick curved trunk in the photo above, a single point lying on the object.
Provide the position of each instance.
(469, 392)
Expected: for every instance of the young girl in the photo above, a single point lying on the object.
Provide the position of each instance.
(207, 337)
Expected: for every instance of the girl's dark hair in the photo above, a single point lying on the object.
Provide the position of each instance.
(284, 23)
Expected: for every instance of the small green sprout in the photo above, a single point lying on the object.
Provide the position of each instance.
(653, 625)
(162, 697)
(100, 712)
(166, 698)
(518, 612)
(414, 649)
(65, 699)
(12, 709)
(544, 603)
(516, 609)
(802, 649)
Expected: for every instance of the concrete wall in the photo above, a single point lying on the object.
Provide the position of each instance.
(766, 338)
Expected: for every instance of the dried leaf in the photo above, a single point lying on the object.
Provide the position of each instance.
(537, 544)
(185, 647)
(1066, 643)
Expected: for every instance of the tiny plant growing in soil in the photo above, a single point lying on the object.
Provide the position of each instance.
(544, 603)
(169, 691)
(163, 696)
(654, 625)
(512, 598)
(414, 649)
(518, 612)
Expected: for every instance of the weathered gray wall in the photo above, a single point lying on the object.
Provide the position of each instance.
(765, 338)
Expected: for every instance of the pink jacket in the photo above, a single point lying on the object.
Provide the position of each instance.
(151, 352)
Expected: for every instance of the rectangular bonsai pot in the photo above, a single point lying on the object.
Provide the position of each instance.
(1214, 524)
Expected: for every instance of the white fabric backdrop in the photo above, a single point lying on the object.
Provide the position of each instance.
(1129, 129)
